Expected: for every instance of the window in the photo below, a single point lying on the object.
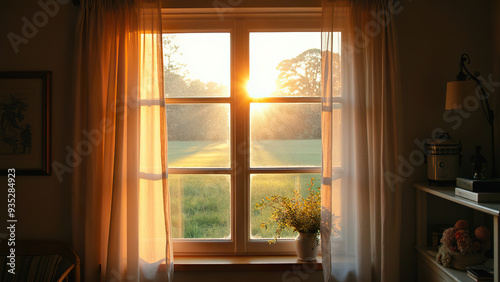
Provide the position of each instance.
(243, 99)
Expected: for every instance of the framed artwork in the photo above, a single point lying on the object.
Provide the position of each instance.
(25, 122)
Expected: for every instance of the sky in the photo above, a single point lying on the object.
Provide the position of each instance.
(268, 49)
(207, 56)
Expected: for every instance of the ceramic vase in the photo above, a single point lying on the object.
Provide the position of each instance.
(461, 261)
(307, 246)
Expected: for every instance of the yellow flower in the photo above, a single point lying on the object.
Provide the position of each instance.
(300, 214)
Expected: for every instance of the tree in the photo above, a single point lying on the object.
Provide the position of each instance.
(301, 76)
(170, 54)
(174, 72)
(189, 122)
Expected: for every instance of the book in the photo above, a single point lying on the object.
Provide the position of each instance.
(479, 279)
(480, 197)
(479, 185)
(478, 274)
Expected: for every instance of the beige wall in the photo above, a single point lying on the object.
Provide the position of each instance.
(239, 3)
(432, 35)
(259, 276)
(43, 203)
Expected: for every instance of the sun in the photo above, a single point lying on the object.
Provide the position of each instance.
(260, 88)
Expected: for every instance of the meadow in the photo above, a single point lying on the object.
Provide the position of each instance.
(200, 204)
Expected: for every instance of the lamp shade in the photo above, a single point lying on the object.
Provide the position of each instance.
(457, 91)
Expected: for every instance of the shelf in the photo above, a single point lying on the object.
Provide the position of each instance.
(429, 269)
(448, 193)
(454, 274)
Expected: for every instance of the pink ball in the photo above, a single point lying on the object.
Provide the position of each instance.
(482, 233)
(461, 225)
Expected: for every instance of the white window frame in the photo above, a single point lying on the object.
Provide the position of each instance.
(240, 22)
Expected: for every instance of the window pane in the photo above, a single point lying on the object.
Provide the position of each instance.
(198, 135)
(196, 64)
(285, 64)
(285, 135)
(266, 185)
(200, 206)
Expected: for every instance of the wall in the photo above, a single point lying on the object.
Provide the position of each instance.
(239, 3)
(43, 203)
(432, 36)
(261, 276)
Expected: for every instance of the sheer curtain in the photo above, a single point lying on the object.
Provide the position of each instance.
(360, 208)
(120, 197)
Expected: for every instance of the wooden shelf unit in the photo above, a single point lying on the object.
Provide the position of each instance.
(448, 193)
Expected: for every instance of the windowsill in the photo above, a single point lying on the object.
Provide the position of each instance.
(244, 263)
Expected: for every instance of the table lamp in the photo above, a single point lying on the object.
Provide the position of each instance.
(466, 85)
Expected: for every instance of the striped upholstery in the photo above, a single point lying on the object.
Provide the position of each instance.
(31, 268)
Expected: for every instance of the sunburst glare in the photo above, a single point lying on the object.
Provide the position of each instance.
(262, 87)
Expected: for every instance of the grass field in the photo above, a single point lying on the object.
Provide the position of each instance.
(201, 203)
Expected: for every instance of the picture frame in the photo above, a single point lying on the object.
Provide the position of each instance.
(25, 139)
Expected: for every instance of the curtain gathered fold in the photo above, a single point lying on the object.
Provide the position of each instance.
(120, 196)
(361, 207)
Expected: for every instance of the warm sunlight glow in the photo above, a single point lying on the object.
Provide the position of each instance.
(263, 87)
(260, 108)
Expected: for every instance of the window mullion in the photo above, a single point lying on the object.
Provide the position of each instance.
(286, 100)
(199, 170)
(286, 170)
(173, 101)
(240, 129)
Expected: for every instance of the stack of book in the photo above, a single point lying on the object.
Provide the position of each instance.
(478, 190)
(478, 274)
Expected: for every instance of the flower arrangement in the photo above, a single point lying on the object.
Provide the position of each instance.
(301, 214)
(459, 240)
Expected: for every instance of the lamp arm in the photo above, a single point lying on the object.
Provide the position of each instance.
(489, 113)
